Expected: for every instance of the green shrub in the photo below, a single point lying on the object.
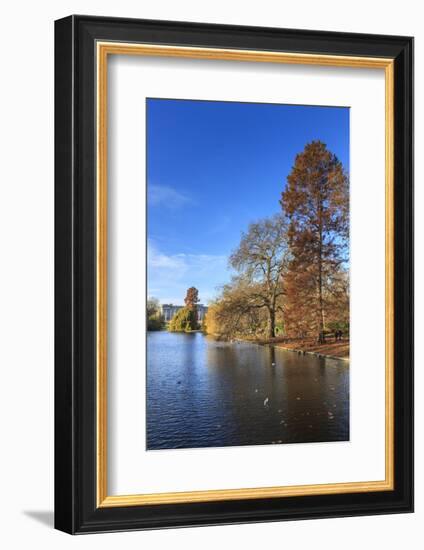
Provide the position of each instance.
(155, 322)
(185, 320)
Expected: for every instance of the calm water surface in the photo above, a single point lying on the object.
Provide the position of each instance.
(204, 393)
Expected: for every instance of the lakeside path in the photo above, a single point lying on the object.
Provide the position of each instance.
(337, 350)
(331, 349)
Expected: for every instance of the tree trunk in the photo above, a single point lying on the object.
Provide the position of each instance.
(271, 323)
(320, 303)
(321, 336)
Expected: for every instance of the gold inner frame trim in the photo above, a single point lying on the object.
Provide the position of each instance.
(104, 49)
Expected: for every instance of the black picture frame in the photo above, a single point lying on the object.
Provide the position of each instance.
(76, 510)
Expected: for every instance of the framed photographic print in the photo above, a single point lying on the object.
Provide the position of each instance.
(233, 274)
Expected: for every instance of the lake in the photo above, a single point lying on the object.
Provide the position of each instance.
(206, 393)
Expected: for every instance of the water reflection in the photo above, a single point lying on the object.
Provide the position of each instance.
(204, 393)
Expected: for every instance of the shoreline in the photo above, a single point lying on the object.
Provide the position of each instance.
(300, 350)
(315, 353)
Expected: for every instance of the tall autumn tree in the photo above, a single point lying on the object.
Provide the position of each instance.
(316, 202)
(192, 298)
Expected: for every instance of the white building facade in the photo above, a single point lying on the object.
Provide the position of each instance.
(169, 310)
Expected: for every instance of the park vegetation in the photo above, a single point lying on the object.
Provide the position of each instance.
(291, 270)
(155, 320)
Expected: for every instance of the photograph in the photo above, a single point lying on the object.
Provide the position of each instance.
(233, 268)
(247, 315)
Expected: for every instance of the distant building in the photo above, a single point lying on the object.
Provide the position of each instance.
(169, 310)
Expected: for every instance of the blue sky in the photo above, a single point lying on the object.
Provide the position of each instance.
(212, 168)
